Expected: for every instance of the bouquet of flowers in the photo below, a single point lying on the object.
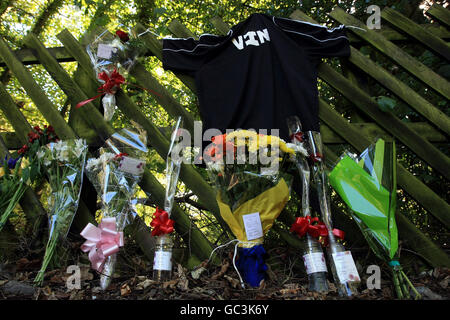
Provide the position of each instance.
(161, 223)
(112, 56)
(64, 163)
(367, 184)
(12, 187)
(115, 175)
(307, 227)
(251, 173)
(343, 267)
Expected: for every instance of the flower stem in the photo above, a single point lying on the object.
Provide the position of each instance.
(417, 294)
(396, 284)
(49, 252)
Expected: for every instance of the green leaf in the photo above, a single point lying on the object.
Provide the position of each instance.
(386, 104)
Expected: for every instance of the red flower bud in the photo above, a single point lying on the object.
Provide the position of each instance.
(122, 35)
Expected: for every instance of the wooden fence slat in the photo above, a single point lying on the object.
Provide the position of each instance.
(154, 45)
(149, 183)
(14, 116)
(414, 30)
(440, 13)
(395, 53)
(403, 91)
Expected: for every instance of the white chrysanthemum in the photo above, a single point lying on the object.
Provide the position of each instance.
(40, 154)
(78, 148)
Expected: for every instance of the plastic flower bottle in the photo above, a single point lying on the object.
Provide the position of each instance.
(162, 263)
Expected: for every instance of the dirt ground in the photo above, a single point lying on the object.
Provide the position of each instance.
(286, 281)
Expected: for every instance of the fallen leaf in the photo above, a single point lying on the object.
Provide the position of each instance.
(125, 290)
(222, 271)
(197, 272)
(170, 284)
(144, 284)
(183, 284)
(444, 283)
(234, 282)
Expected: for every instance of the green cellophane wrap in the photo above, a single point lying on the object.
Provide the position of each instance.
(368, 187)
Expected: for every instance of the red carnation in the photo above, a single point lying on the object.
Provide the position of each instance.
(122, 35)
(23, 149)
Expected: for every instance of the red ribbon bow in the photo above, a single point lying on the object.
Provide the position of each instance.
(297, 136)
(161, 223)
(336, 232)
(316, 157)
(312, 226)
(111, 85)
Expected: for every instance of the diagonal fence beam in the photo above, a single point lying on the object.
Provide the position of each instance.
(417, 69)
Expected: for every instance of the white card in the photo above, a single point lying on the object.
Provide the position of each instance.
(105, 51)
(253, 226)
(132, 165)
(162, 261)
(345, 266)
(315, 262)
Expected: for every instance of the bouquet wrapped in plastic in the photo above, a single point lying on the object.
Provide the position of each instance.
(252, 174)
(64, 163)
(367, 184)
(115, 175)
(307, 227)
(343, 267)
(112, 56)
(161, 223)
(12, 187)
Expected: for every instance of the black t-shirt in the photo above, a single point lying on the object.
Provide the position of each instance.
(263, 71)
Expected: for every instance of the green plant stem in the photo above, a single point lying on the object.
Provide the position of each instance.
(403, 285)
(395, 279)
(418, 296)
(49, 252)
(12, 204)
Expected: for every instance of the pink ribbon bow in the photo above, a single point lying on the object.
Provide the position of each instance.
(101, 242)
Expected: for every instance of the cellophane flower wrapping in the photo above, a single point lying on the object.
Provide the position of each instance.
(313, 256)
(113, 53)
(64, 163)
(251, 174)
(343, 267)
(367, 184)
(115, 175)
(13, 183)
(162, 263)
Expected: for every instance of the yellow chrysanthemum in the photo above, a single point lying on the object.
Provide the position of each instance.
(2, 172)
(254, 141)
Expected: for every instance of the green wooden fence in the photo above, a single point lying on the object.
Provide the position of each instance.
(420, 138)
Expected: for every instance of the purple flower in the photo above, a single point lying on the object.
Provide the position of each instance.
(11, 162)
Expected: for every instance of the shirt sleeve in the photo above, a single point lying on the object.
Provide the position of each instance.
(187, 54)
(317, 41)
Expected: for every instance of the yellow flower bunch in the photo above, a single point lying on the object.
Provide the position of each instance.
(254, 140)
